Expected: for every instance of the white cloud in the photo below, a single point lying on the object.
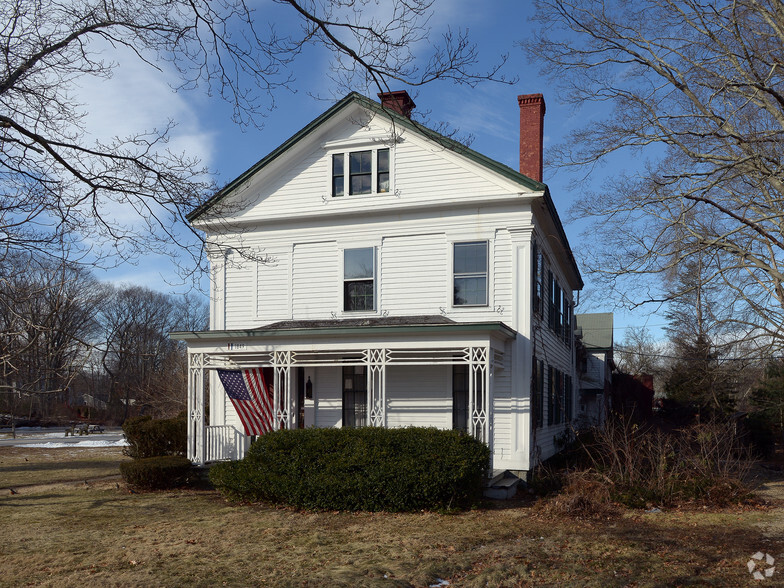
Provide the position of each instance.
(139, 98)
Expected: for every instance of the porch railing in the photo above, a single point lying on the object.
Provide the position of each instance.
(224, 442)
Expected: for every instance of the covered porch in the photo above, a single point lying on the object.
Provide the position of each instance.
(427, 371)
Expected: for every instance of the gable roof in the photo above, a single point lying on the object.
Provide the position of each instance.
(407, 123)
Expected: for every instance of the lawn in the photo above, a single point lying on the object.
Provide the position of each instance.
(108, 536)
(22, 466)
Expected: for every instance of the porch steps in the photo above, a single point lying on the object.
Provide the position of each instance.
(502, 485)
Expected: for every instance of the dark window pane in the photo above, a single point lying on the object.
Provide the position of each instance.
(383, 160)
(460, 397)
(337, 164)
(470, 291)
(358, 263)
(358, 295)
(337, 186)
(354, 396)
(470, 258)
(337, 175)
(360, 162)
(383, 182)
(360, 184)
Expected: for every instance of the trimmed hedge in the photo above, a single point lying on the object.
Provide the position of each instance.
(151, 438)
(367, 469)
(156, 473)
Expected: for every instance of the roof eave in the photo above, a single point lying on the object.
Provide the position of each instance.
(398, 119)
(191, 336)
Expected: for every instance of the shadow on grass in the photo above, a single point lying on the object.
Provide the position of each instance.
(57, 465)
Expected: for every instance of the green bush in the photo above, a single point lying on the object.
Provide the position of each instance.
(155, 473)
(367, 469)
(151, 438)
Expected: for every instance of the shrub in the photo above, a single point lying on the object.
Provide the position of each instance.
(155, 473)
(643, 466)
(584, 495)
(150, 438)
(359, 469)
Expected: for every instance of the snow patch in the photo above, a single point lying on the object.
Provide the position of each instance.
(78, 444)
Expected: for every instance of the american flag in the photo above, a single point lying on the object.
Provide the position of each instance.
(251, 398)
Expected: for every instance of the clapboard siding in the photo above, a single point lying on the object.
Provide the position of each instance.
(502, 410)
(240, 291)
(413, 274)
(419, 396)
(299, 183)
(328, 397)
(438, 197)
(272, 303)
(314, 281)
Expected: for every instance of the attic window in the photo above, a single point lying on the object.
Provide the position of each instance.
(368, 172)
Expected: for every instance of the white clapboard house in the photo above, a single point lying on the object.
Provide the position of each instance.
(370, 271)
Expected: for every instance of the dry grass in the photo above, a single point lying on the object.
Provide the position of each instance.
(23, 466)
(110, 537)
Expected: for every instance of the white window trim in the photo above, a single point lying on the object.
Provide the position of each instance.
(376, 278)
(345, 149)
(451, 275)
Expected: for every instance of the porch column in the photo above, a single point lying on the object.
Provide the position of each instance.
(479, 404)
(196, 433)
(376, 386)
(282, 397)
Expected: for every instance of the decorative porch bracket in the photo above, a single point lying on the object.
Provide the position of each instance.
(282, 397)
(196, 437)
(377, 360)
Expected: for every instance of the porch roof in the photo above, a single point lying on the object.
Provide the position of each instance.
(353, 326)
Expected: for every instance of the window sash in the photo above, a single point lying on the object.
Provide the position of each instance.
(361, 172)
(359, 276)
(470, 269)
(382, 171)
(338, 175)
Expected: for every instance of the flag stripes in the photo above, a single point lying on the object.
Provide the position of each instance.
(251, 398)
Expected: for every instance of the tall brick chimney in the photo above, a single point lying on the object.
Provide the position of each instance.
(531, 134)
(399, 101)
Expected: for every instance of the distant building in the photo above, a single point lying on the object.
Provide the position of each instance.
(595, 366)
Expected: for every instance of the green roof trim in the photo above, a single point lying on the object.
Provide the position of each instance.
(405, 122)
(192, 336)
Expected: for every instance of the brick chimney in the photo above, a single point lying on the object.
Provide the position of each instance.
(531, 134)
(398, 101)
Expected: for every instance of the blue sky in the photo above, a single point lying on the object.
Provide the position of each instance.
(138, 97)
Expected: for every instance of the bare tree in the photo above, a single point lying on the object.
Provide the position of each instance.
(59, 186)
(639, 353)
(697, 120)
(47, 321)
(145, 366)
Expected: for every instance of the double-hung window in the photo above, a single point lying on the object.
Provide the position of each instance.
(359, 277)
(470, 274)
(368, 172)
